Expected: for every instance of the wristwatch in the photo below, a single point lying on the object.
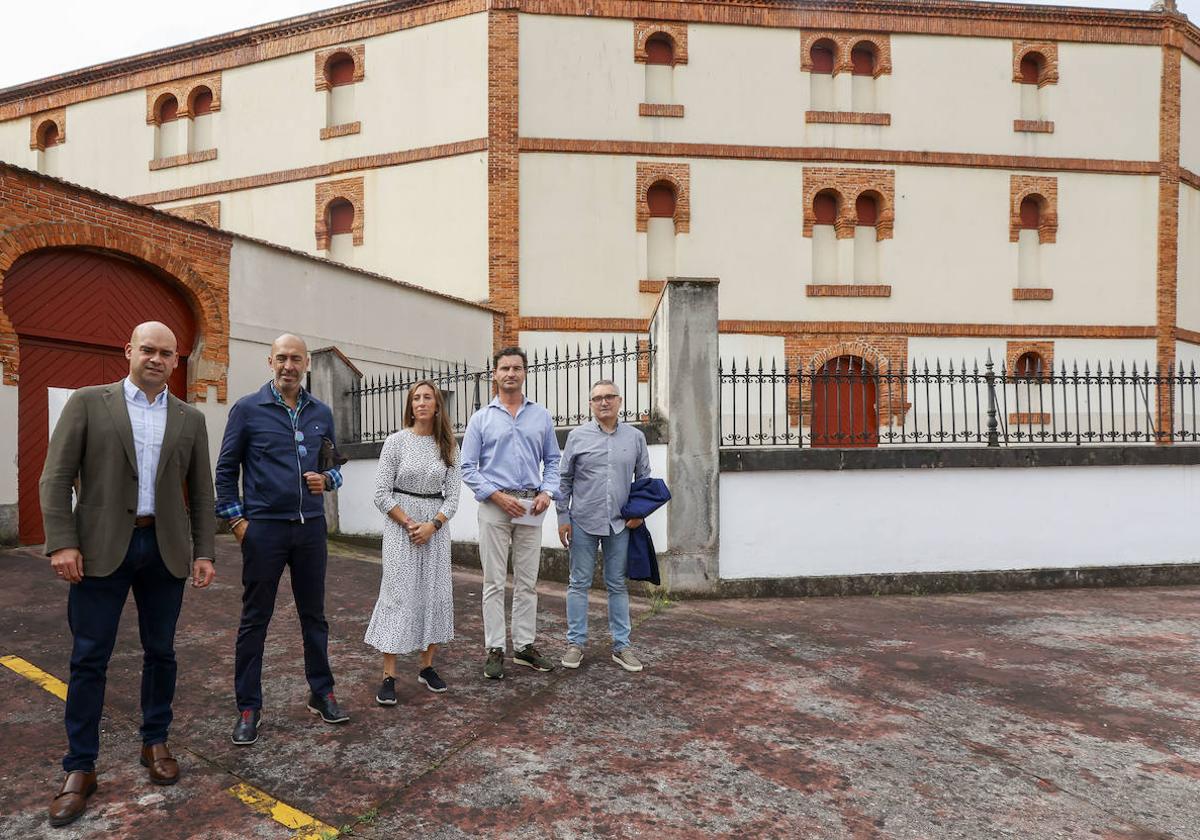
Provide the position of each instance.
(437, 524)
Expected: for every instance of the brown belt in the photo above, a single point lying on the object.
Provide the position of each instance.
(143, 522)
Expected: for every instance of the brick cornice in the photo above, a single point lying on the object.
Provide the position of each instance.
(827, 154)
(1187, 336)
(308, 173)
(901, 328)
(1190, 178)
(183, 160)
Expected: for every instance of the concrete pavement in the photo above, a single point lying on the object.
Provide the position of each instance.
(1070, 713)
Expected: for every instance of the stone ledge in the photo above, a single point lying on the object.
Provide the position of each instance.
(183, 160)
(847, 290)
(847, 118)
(1033, 294)
(341, 130)
(906, 457)
(649, 109)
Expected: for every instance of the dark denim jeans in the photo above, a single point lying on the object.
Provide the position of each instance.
(267, 547)
(94, 608)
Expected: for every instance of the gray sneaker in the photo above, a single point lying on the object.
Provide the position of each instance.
(494, 669)
(573, 657)
(627, 660)
(529, 657)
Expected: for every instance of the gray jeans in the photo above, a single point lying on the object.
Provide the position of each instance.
(496, 534)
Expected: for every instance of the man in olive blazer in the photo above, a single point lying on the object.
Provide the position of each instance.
(143, 521)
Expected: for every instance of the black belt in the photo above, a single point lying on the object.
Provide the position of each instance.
(522, 494)
(419, 495)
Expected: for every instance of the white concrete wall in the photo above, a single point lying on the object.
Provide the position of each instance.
(1188, 300)
(423, 86)
(813, 522)
(357, 513)
(424, 223)
(8, 445)
(950, 258)
(1189, 118)
(744, 85)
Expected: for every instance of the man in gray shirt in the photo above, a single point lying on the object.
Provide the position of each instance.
(602, 458)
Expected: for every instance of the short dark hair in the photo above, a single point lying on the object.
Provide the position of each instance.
(509, 351)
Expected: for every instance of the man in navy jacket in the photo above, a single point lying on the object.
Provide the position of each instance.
(273, 439)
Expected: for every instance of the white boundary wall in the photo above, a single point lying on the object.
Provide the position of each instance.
(855, 522)
(357, 513)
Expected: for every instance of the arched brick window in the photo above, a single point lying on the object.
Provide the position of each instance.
(1031, 212)
(201, 102)
(47, 134)
(660, 49)
(167, 109)
(340, 216)
(824, 57)
(1032, 66)
(866, 238)
(864, 62)
(339, 69)
(660, 230)
(866, 209)
(826, 209)
(1029, 365)
(863, 59)
(1029, 255)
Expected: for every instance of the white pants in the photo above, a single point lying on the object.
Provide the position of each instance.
(496, 534)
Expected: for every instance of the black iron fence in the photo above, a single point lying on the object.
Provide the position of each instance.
(559, 378)
(846, 403)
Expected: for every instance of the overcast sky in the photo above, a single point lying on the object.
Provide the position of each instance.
(46, 38)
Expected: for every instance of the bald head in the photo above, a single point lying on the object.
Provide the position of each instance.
(289, 363)
(152, 355)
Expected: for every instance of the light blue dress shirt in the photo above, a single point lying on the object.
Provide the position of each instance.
(595, 475)
(502, 452)
(149, 422)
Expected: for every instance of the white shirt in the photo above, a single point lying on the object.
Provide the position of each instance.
(149, 422)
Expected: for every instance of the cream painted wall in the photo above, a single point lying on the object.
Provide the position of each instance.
(8, 445)
(423, 86)
(744, 85)
(1188, 313)
(1189, 122)
(950, 259)
(425, 223)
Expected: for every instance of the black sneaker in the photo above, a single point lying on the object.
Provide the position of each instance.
(430, 679)
(494, 669)
(529, 657)
(327, 708)
(386, 696)
(245, 731)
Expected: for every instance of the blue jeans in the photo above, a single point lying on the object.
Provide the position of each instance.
(268, 545)
(583, 567)
(94, 608)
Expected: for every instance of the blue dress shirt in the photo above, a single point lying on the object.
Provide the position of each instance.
(502, 452)
(149, 422)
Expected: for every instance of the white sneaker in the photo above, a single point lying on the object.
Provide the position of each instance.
(573, 656)
(627, 660)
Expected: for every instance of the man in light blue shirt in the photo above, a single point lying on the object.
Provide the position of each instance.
(602, 459)
(510, 461)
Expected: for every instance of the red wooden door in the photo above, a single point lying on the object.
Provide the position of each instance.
(73, 312)
(844, 410)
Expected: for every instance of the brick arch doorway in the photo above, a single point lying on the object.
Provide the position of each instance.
(73, 310)
(845, 409)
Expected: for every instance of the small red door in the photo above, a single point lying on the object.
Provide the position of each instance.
(73, 312)
(844, 410)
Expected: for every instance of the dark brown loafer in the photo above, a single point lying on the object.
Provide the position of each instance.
(164, 770)
(72, 799)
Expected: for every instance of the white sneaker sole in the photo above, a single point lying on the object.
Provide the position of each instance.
(531, 665)
(425, 683)
(384, 702)
(630, 668)
(571, 665)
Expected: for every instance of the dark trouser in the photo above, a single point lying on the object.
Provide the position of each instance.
(94, 608)
(267, 546)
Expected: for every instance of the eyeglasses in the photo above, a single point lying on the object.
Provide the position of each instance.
(602, 398)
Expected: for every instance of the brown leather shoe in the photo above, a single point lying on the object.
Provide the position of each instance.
(71, 801)
(164, 770)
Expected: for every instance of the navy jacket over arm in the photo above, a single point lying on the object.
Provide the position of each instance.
(646, 495)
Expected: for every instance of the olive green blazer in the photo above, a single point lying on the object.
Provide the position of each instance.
(93, 442)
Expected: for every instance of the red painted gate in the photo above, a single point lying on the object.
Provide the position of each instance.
(73, 311)
(844, 410)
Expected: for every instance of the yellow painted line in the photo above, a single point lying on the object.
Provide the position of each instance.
(306, 827)
(36, 675)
